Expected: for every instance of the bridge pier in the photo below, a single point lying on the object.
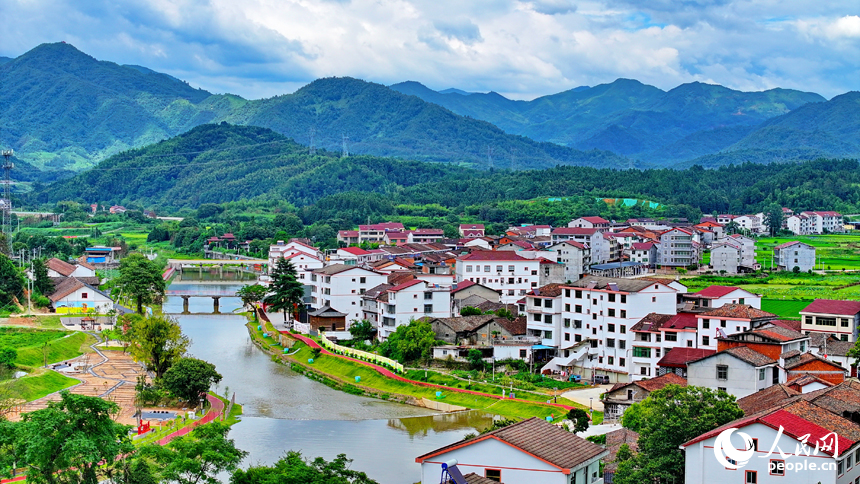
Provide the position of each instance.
(215, 308)
(185, 304)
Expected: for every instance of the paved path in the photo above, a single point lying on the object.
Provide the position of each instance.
(390, 374)
(215, 410)
(588, 396)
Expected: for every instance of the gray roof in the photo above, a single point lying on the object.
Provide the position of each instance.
(624, 285)
(336, 269)
(327, 312)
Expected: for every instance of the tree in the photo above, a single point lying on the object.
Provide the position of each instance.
(251, 294)
(410, 342)
(362, 330)
(580, 420)
(75, 435)
(140, 279)
(773, 218)
(293, 469)
(189, 379)
(157, 342)
(11, 281)
(665, 420)
(197, 457)
(286, 291)
(470, 311)
(8, 357)
(42, 282)
(476, 359)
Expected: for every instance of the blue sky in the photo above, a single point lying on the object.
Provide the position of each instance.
(522, 49)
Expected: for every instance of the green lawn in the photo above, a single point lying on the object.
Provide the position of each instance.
(68, 346)
(785, 285)
(13, 337)
(39, 384)
(784, 308)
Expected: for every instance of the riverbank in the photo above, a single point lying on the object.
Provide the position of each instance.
(376, 382)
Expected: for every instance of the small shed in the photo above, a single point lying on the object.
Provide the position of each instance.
(327, 319)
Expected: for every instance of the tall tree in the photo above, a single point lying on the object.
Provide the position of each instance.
(410, 342)
(42, 282)
(190, 379)
(70, 440)
(157, 341)
(773, 218)
(665, 420)
(197, 457)
(286, 291)
(251, 294)
(140, 279)
(11, 281)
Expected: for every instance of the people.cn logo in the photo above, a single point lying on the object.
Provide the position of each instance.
(728, 455)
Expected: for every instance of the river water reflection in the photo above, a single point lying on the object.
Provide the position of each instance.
(286, 411)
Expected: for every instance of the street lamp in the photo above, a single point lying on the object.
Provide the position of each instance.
(591, 405)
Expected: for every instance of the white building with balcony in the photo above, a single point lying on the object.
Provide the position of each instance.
(341, 286)
(677, 248)
(504, 271)
(411, 300)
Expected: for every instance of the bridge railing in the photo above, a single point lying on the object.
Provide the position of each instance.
(201, 292)
(361, 355)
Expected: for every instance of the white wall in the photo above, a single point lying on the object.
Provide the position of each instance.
(743, 378)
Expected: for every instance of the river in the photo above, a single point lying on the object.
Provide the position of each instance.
(286, 411)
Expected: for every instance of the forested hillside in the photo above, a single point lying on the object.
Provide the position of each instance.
(223, 163)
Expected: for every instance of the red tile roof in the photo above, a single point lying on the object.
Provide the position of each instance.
(643, 245)
(713, 292)
(739, 311)
(679, 357)
(355, 251)
(831, 306)
(405, 285)
(382, 226)
(61, 267)
(792, 324)
(809, 358)
(538, 438)
(492, 255)
(348, 233)
(596, 220)
(770, 397)
(472, 226)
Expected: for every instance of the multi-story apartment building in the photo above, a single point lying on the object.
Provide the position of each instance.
(590, 223)
(677, 248)
(749, 222)
(341, 286)
(838, 318)
(574, 256)
(597, 315)
(793, 254)
(823, 222)
(575, 234)
(411, 300)
(644, 252)
(376, 232)
(504, 271)
(543, 316)
(425, 236)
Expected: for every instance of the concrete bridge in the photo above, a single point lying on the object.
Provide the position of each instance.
(214, 291)
(253, 265)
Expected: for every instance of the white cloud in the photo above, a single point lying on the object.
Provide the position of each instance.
(521, 48)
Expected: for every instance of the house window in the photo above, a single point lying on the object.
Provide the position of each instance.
(624, 299)
(84, 295)
(362, 280)
(547, 318)
(566, 322)
(428, 296)
(510, 268)
(610, 327)
(428, 308)
(498, 268)
(706, 340)
(493, 474)
(611, 297)
(577, 338)
(547, 335)
(537, 303)
(706, 324)
(751, 477)
(741, 300)
(777, 467)
(468, 268)
(547, 303)
(611, 313)
(622, 362)
(622, 344)
(722, 323)
(654, 299)
(577, 323)
(671, 337)
(567, 308)
(567, 336)
(840, 468)
(722, 372)
(522, 353)
(577, 309)
(623, 329)
(486, 268)
(761, 373)
(536, 317)
(578, 294)
(623, 313)
(610, 343)
(610, 360)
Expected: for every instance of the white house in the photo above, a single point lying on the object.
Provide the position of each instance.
(677, 249)
(793, 254)
(823, 222)
(73, 296)
(599, 223)
(644, 252)
(529, 452)
(839, 318)
(749, 222)
(718, 296)
(799, 442)
(57, 268)
(412, 300)
(576, 234)
(738, 371)
(376, 232)
(341, 286)
(574, 256)
(503, 271)
(471, 230)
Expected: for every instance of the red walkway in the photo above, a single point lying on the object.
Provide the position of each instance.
(217, 406)
(390, 374)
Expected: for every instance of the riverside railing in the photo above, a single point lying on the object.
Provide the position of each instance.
(361, 355)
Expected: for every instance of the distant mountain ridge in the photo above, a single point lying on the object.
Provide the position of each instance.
(63, 110)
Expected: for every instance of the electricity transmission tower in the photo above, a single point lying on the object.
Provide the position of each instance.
(489, 156)
(313, 148)
(7, 196)
(513, 159)
(345, 150)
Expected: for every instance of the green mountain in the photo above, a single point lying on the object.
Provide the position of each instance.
(630, 118)
(217, 163)
(66, 110)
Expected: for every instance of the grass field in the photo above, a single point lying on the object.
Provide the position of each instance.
(39, 383)
(837, 251)
(784, 285)
(70, 345)
(784, 308)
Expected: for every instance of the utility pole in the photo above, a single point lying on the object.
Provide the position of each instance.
(313, 148)
(345, 150)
